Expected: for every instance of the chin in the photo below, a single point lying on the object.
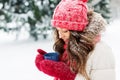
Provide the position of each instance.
(66, 41)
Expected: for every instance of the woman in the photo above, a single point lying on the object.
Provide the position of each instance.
(83, 56)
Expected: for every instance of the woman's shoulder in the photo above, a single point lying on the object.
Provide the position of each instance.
(102, 56)
(100, 64)
(102, 47)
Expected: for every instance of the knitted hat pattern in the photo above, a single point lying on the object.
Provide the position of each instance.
(71, 15)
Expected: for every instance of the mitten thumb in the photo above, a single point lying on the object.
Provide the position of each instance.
(40, 51)
(38, 60)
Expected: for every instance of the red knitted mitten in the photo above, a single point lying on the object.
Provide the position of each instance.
(56, 69)
(40, 51)
(39, 57)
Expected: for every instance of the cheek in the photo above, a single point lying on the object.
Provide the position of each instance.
(67, 35)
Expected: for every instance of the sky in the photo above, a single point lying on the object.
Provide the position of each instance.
(17, 56)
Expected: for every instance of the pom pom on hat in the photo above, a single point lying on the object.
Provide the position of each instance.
(80, 0)
(70, 14)
(84, 0)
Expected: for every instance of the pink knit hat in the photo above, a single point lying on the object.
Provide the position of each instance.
(70, 14)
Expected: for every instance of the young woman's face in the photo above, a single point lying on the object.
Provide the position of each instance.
(63, 33)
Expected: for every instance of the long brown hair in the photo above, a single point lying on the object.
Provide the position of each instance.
(79, 46)
(78, 49)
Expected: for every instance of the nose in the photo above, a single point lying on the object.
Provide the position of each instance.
(61, 35)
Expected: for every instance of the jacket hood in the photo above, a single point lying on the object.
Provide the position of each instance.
(95, 26)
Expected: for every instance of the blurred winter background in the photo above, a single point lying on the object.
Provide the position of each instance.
(25, 27)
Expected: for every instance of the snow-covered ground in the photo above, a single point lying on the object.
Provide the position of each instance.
(17, 60)
(17, 57)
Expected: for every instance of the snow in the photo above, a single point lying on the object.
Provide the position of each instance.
(17, 60)
(17, 56)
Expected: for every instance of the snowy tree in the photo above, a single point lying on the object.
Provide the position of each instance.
(102, 7)
(32, 15)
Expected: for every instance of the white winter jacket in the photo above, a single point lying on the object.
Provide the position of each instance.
(101, 64)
